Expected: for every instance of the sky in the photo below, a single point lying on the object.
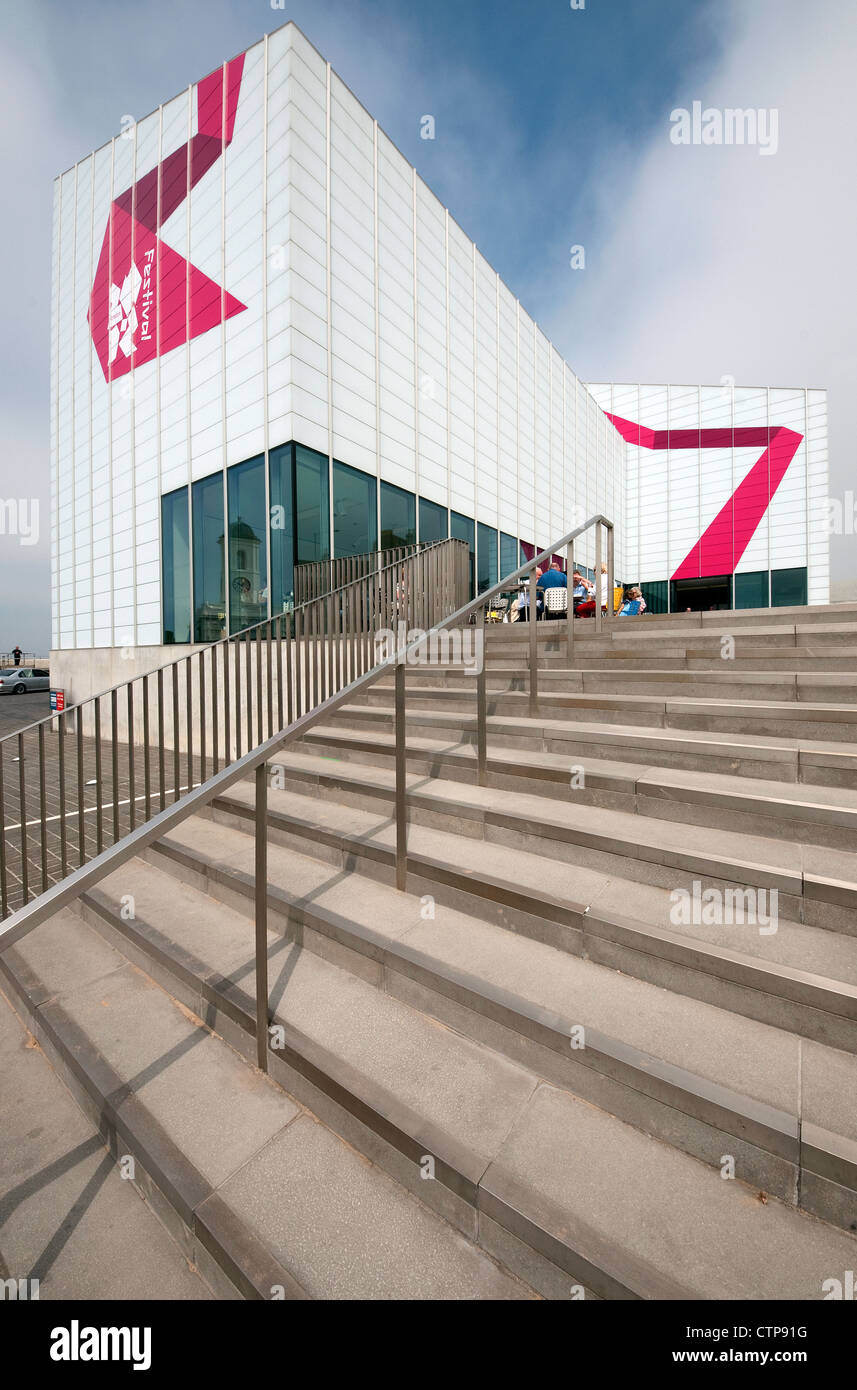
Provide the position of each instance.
(552, 130)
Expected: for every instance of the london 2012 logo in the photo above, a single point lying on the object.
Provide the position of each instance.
(123, 321)
(147, 299)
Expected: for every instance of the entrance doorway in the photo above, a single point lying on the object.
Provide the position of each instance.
(701, 595)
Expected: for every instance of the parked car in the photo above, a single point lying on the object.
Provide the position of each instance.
(17, 680)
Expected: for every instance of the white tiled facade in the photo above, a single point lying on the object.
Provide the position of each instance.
(793, 530)
(375, 333)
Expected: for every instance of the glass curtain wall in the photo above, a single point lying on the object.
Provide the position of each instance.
(509, 561)
(247, 559)
(434, 522)
(486, 557)
(463, 529)
(355, 520)
(209, 597)
(398, 517)
(176, 566)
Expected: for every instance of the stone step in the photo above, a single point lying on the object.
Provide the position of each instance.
(675, 658)
(793, 719)
(643, 637)
(814, 883)
(800, 977)
(68, 1219)
(647, 1055)
(788, 811)
(270, 1201)
(784, 759)
(779, 686)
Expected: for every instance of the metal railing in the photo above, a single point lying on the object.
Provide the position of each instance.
(7, 660)
(79, 780)
(315, 578)
(399, 607)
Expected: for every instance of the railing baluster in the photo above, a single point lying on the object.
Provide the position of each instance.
(81, 790)
(569, 615)
(43, 821)
(259, 725)
(290, 667)
(279, 671)
(114, 753)
(532, 615)
(61, 779)
(200, 676)
(162, 789)
(99, 789)
(147, 774)
(176, 753)
(481, 707)
(132, 788)
(4, 896)
(215, 699)
(261, 904)
(22, 798)
(401, 782)
(598, 585)
(188, 704)
(270, 677)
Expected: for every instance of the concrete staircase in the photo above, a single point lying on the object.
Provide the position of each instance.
(524, 1077)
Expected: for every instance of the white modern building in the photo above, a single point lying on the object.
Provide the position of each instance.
(271, 343)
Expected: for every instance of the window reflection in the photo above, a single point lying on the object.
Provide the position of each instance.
(247, 559)
(209, 617)
(175, 566)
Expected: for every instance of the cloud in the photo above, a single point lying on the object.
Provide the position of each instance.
(718, 260)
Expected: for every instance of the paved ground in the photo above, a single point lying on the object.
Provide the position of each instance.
(16, 711)
(40, 847)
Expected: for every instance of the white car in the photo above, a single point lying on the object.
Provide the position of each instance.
(17, 680)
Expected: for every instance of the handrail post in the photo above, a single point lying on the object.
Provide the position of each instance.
(481, 706)
(532, 616)
(569, 614)
(611, 577)
(401, 782)
(261, 893)
(598, 576)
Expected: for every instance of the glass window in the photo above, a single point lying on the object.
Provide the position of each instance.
(751, 590)
(788, 587)
(398, 517)
(434, 522)
(461, 528)
(656, 594)
(175, 552)
(282, 529)
(509, 561)
(209, 616)
(486, 557)
(247, 559)
(312, 506)
(355, 523)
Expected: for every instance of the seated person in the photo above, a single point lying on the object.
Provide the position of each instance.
(581, 588)
(553, 578)
(633, 605)
(523, 603)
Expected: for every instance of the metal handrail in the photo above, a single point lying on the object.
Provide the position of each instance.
(345, 568)
(255, 761)
(243, 634)
(192, 716)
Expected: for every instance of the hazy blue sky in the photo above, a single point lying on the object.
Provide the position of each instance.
(552, 129)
